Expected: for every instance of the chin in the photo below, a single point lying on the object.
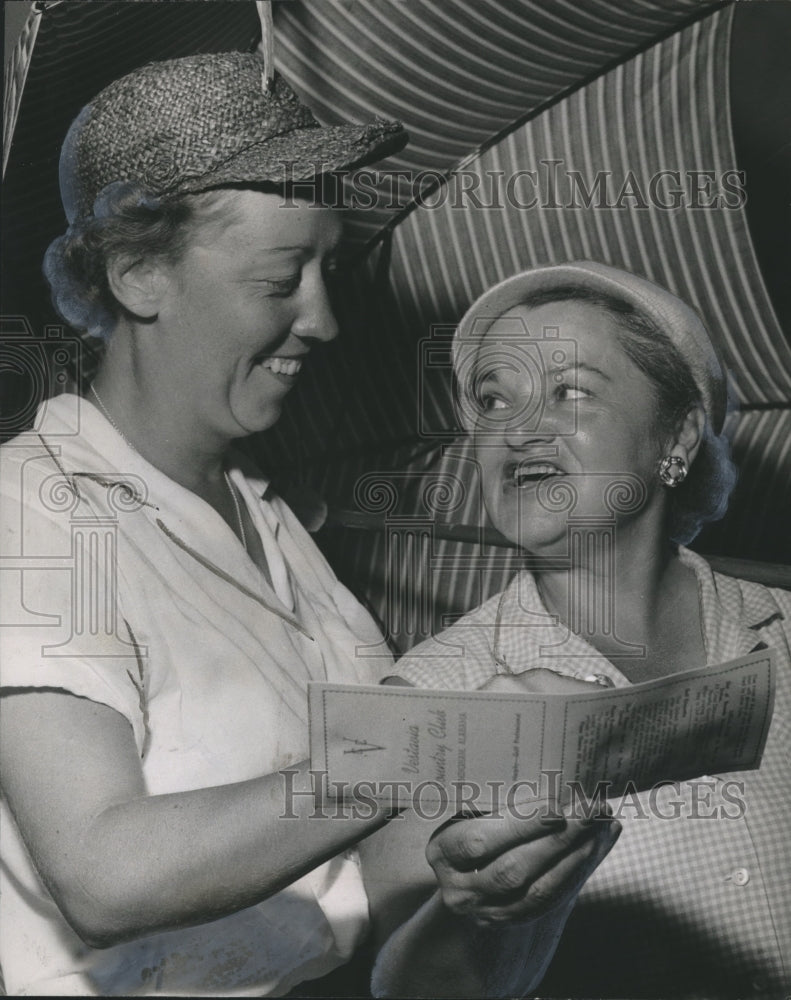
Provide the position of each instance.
(540, 533)
(269, 420)
(261, 420)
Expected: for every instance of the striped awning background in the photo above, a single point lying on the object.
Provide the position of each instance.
(382, 441)
(615, 90)
(456, 73)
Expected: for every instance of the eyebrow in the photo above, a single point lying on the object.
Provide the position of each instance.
(298, 248)
(282, 249)
(579, 366)
(494, 370)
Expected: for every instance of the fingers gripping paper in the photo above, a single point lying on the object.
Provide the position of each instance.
(388, 742)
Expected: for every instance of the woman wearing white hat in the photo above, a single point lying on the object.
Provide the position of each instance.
(596, 401)
(169, 610)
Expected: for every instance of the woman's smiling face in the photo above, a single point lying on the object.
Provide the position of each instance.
(560, 400)
(243, 306)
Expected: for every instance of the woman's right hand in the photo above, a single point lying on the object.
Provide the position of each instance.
(519, 864)
(506, 886)
(121, 862)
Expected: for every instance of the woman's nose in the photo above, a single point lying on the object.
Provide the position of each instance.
(316, 319)
(534, 423)
(517, 436)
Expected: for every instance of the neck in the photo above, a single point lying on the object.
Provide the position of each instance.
(635, 594)
(157, 423)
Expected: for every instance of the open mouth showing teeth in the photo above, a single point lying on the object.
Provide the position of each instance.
(282, 366)
(528, 473)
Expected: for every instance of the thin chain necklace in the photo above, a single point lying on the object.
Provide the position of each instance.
(236, 507)
(231, 490)
(106, 412)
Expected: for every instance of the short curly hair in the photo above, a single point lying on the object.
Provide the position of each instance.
(131, 221)
(704, 495)
(128, 220)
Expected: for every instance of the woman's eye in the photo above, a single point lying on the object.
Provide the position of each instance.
(490, 403)
(565, 393)
(282, 287)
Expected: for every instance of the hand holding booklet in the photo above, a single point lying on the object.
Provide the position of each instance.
(477, 747)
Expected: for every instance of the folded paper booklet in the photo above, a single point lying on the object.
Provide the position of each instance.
(399, 742)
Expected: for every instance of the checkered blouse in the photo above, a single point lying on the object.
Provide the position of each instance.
(697, 904)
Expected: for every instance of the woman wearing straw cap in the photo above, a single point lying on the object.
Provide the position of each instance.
(596, 401)
(169, 610)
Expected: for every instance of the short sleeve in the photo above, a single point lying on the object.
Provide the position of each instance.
(61, 626)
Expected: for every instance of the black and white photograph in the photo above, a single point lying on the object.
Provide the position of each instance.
(395, 499)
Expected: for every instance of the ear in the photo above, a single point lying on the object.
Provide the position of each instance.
(689, 435)
(138, 284)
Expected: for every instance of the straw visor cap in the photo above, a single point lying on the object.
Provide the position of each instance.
(190, 124)
(674, 317)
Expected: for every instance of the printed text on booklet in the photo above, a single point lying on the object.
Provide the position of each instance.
(388, 742)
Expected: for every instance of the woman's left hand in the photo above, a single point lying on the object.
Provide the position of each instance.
(542, 681)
